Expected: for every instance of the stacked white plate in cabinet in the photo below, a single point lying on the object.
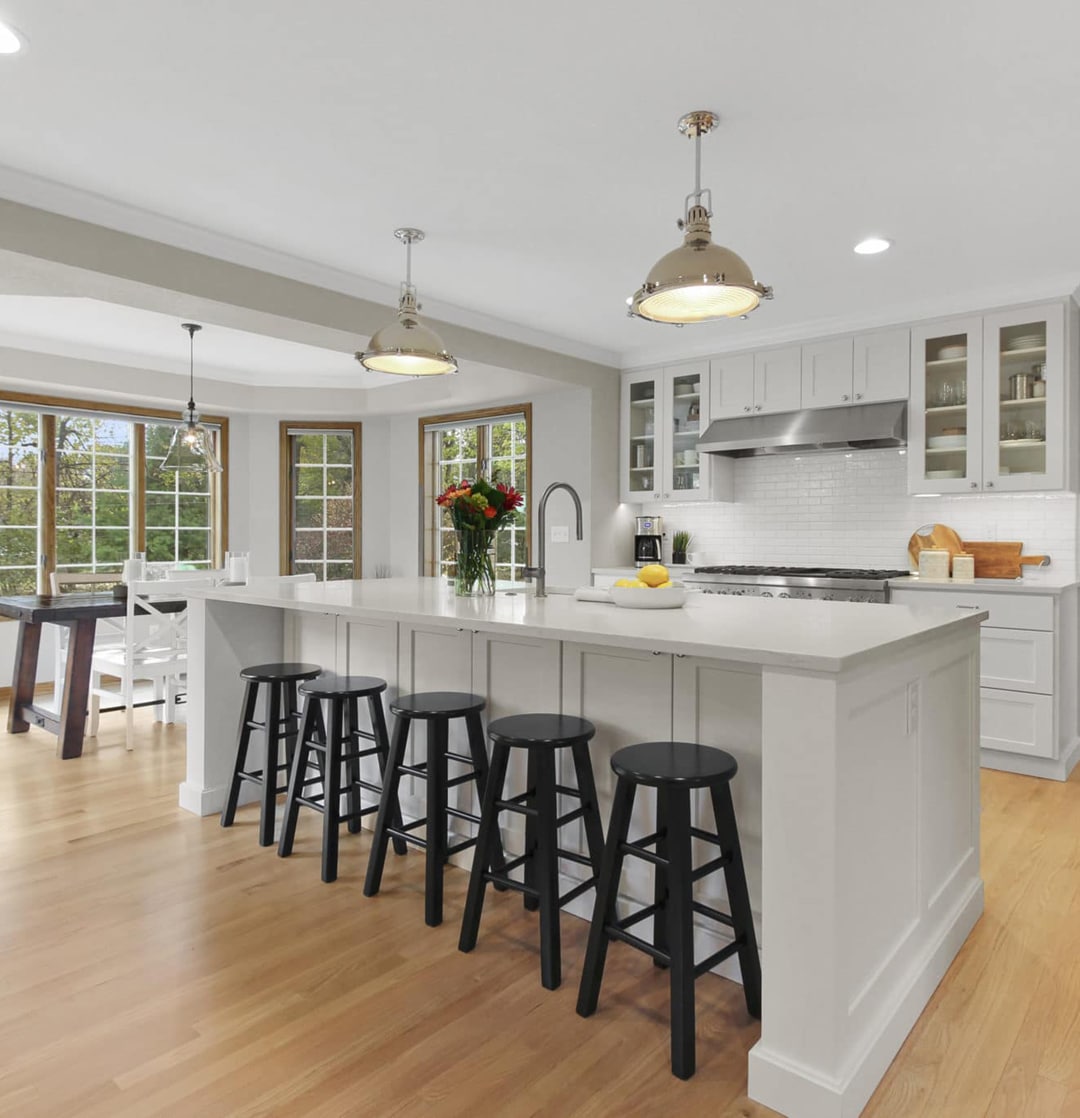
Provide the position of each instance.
(952, 352)
(947, 442)
(1027, 341)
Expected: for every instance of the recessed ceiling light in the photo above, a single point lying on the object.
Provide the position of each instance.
(872, 245)
(10, 40)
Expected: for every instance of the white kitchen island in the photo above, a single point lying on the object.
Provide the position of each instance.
(855, 728)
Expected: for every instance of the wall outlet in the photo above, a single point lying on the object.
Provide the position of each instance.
(560, 533)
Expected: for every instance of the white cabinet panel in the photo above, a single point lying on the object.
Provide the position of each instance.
(1017, 660)
(827, 374)
(1016, 722)
(373, 650)
(731, 386)
(1007, 611)
(882, 366)
(778, 379)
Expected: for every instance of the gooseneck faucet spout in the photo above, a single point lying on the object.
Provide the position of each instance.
(539, 572)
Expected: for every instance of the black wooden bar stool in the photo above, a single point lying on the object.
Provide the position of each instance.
(542, 735)
(327, 742)
(436, 708)
(280, 724)
(674, 769)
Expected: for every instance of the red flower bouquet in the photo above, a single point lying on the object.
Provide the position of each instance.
(478, 510)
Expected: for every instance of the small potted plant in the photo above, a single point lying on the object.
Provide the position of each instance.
(680, 544)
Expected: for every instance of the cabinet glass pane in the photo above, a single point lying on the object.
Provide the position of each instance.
(1021, 364)
(946, 364)
(643, 436)
(685, 415)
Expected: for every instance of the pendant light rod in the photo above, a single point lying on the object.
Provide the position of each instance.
(408, 236)
(192, 328)
(695, 125)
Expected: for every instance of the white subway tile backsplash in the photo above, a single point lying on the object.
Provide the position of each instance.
(855, 511)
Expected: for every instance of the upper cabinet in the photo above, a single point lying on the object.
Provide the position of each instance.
(663, 415)
(988, 403)
(754, 383)
(866, 369)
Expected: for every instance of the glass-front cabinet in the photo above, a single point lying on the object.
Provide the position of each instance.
(663, 414)
(987, 403)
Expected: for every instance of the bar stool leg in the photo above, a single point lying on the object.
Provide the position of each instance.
(607, 891)
(489, 824)
(297, 776)
(742, 916)
(332, 791)
(660, 880)
(350, 744)
(389, 812)
(270, 763)
(243, 740)
(378, 728)
(475, 729)
(594, 831)
(680, 921)
(437, 745)
(292, 722)
(532, 903)
(547, 871)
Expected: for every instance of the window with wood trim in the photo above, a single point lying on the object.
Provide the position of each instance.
(77, 493)
(494, 443)
(320, 500)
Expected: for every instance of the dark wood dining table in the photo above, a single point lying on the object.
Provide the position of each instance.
(79, 613)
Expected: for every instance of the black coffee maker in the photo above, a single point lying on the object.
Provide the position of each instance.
(648, 540)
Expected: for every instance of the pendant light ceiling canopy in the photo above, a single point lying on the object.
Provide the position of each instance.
(192, 446)
(406, 346)
(698, 281)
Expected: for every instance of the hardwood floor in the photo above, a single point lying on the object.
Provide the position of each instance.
(152, 963)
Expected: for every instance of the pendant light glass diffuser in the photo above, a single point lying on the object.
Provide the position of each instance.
(698, 281)
(192, 446)
(406, 346)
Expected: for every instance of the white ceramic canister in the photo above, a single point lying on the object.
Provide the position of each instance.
(963, 568)
(934, 563)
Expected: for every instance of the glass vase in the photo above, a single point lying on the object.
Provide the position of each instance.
(475, 563)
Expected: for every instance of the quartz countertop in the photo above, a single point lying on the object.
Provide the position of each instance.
(771, 632)
(1045, 582)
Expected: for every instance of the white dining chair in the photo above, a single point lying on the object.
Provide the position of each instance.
(154, 650)
(177, 574)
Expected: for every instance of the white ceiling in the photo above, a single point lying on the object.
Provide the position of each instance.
(536, 145)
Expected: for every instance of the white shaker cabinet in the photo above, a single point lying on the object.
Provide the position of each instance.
(663, 413)
(828, 373)
(866, 369)
(755, 383)
(778, 379)
(989, 398)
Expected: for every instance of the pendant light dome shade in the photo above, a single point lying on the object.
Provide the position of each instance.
(192, 446)
(406, 346)
(699, 280)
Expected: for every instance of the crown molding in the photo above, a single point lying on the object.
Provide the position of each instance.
(707, 343)
(97, 209)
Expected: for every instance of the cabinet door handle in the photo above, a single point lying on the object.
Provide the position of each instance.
(968, 607)
(746, 407)
(974, 485)
(656, 653)
(845, 396)
(858, 395)
(656, 496)
(757, 407)
(989, 485)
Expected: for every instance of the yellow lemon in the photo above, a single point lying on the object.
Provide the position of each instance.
(637, 584)
(625, 581)
(654, 574)
(664, 585)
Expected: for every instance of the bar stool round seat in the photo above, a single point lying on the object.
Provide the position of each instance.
(541, 736)
(675, 769)
(529, 731)
(280, 673)
(437, 704)
(330, 685)
(682, 763)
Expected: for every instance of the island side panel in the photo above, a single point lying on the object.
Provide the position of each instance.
(869, 861)
(223, 638)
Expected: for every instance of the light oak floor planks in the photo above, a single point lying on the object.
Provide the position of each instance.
(153, 964)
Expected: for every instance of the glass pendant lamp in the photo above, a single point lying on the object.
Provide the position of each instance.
(406, 346)
(698, 281)
(192, 446)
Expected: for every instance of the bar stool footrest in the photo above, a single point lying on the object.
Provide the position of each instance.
(615, 932)
(407, 837)
(574, 856)
(573, 894)
(638, 849)
(712, 914)
(461, 758)
(705, 836)
(500, 879)
(515, 805)
(710, 867)
(463, 845)
(717, 957)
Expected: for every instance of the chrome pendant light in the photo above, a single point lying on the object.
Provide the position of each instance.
(406, 346)
(698, 281)
(192, 446)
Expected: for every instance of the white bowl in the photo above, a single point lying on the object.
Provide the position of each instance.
(947, 442)
(631, 597)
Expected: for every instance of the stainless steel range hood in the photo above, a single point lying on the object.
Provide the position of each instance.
(862, 427)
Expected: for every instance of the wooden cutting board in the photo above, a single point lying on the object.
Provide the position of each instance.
(940, 537)
(1001, 559)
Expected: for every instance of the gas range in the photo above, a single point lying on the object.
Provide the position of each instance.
(836, 584)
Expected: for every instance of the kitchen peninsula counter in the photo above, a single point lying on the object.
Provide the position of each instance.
(856, 731)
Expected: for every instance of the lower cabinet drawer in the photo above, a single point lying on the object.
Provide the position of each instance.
(1017, 660)
(1015, 722)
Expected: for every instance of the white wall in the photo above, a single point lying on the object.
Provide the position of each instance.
(9, 634)
(854, 511)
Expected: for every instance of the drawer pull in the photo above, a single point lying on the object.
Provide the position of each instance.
(967, 607)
